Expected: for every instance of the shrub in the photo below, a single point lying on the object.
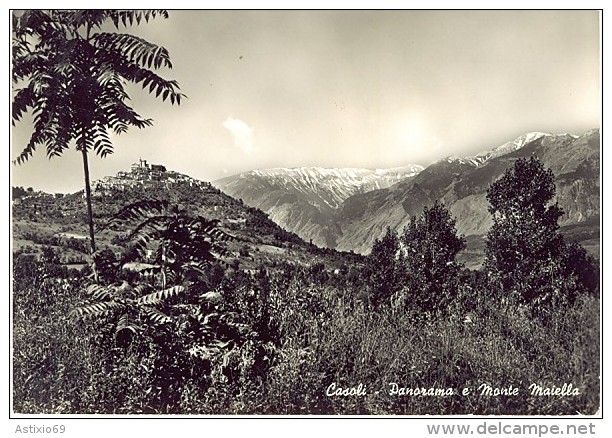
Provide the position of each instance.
(382, 270)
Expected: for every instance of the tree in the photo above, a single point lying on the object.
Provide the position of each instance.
(431, 245)
(382, 272)
(581, 270)
(526, 256)
(72, 76)
(18, 192)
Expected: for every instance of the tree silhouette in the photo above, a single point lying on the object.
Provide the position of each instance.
(71, 75)
(431, 244)
(382, 271)
(526, 256)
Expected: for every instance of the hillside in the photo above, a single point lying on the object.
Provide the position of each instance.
(41, 219)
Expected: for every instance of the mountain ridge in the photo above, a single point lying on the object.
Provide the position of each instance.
(345, 180)
(305, 200)
(462, 187)
(460, 182)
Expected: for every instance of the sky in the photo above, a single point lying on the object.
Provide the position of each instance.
(370, 89)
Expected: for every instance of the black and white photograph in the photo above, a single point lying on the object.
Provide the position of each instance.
(306, 213)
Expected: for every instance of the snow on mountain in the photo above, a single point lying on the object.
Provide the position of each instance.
(506, 148)
(461, 184)
(306, 200)
(322, 187)
(474, 161)
(513, 145)
(347, 208)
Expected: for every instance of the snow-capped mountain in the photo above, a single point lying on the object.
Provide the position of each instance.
(514, 145)
(304, 199)
(348, 209)
(462, 184)
(506, 148)
(323, 187)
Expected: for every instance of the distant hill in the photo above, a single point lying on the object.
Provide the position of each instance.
(60, 220)
(306, 200)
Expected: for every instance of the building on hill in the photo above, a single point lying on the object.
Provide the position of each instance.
(143, 167)
(144, 175)
(158, 168)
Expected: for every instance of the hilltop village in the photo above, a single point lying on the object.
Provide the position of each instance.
(143, 175)
(141, 178)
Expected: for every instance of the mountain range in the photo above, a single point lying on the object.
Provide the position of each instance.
(306, 200)
(278, 214)
(347, 209)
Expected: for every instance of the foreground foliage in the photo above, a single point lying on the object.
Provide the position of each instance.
(303, 335)
(526, 255)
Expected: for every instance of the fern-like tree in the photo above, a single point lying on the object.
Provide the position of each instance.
(164, 311)
(70, 73)
(526, 256)
(170, 251)
(431, 245)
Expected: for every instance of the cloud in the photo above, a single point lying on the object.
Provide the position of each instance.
(241, 132)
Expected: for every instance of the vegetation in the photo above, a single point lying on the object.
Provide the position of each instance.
(431, 245)
(383, 272)
(417, 271)
(72, 76)
(528, 259)
(171, 323)
(216, 310)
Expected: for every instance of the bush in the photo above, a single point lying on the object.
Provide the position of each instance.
(382, 270)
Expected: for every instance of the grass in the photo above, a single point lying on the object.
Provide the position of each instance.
(509, 349)
(325, 336)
